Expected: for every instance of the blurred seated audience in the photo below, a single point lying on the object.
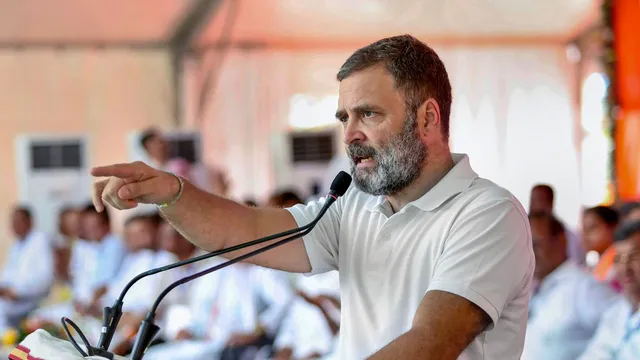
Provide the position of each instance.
(96, 257)
(311, 327)
(96, 261)
(174, 310)
(542, 201)
(599, 224)
(140, 232)
(63, 241)
(236, 313)
(68, 224)
(618, 335)
(28, 271)
(567, 302)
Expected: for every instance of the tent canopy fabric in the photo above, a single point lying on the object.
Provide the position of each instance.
(289, 21)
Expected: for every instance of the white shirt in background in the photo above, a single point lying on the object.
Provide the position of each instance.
(111, 253)
(143, 293)
(618, 335)
(564, 314)
(305, 329)
(29, 272)
(574, 247)
(466, 236)
(94, 264)
(234, 300)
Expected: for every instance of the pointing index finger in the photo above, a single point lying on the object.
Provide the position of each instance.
(121, 171)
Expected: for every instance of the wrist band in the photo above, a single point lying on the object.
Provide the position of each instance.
(178, 195)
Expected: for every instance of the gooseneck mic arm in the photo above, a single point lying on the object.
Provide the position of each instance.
(148, 329)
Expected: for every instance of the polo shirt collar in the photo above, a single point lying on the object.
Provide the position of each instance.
(458, 179)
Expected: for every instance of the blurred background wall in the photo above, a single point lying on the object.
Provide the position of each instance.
(99, 94)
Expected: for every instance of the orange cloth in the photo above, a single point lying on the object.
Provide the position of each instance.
(605, 265)
(627, 52)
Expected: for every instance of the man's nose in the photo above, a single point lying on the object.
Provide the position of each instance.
(352, 133)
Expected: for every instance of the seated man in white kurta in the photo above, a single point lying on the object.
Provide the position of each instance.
(568, 302)
(228, 306)
(28, 273)
(96, 258)
(309, 330)
(618, 335)
(140, 232)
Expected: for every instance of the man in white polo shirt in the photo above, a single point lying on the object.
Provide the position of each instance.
(434, 261)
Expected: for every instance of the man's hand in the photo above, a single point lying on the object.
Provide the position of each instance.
(313, 300)
(130, 319)
(184, 334)
(131, 184)
(443, 326)
(283, 354)
(239, 339)
(79, 308)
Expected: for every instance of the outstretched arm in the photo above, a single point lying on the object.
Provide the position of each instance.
(211, 222)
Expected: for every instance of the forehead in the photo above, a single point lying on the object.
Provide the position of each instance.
(371, 85)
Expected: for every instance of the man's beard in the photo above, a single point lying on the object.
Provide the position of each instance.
(398, 162)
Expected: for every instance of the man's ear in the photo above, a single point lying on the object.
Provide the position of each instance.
(429, 117)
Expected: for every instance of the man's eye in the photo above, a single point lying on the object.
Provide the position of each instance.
(368, 114)
(343, 119)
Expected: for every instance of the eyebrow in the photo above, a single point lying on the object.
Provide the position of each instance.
(358, 109)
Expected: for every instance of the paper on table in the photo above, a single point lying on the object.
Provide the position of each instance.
(40, 344)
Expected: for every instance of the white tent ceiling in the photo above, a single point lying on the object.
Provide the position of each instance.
(290, 21)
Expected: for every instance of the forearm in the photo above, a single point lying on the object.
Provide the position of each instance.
(209, 221)
(213, 223)
(414, 344)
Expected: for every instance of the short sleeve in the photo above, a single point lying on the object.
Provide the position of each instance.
(487, 257)
(321, 243)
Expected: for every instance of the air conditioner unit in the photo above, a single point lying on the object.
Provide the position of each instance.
(184, 144)
(52, 172)
(301, 158)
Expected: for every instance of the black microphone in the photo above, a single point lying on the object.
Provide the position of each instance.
(148, 329)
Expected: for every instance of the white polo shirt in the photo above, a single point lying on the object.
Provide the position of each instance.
(466, 236)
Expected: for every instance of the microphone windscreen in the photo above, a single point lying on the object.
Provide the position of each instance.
(341, 183)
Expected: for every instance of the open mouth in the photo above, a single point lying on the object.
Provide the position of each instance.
(362, 160)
